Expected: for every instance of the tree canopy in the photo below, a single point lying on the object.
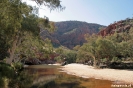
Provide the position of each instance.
(17, 20)
(19, 33)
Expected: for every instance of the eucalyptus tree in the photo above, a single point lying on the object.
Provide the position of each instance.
(97, 48)
(16, 23)
(30, 43)
(17, 18)
(47, 49)
(88, 49)
(105, 48)
(60, 54)
(12, 13)
(83, 55)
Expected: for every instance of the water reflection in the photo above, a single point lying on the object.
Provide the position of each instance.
(51, 77)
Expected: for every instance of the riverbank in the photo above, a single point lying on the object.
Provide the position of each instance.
(86, 71)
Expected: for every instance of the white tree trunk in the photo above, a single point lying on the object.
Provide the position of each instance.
(12, 51)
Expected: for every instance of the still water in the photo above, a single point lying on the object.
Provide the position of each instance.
(50, 76)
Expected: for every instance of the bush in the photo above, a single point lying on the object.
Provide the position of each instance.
(6, 73)
(17, 66)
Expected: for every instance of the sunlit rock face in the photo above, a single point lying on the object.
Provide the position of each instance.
(120, 26)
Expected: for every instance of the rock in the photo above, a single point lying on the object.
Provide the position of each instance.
(120, 26)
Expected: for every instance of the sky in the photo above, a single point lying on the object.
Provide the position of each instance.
(102, 12)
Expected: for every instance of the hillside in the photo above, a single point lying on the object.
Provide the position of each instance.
(120, 26)
(71, 33)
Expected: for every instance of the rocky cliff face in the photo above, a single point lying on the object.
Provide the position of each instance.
(120, 26)
(71, 33)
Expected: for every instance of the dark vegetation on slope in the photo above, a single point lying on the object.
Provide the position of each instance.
(71, 33)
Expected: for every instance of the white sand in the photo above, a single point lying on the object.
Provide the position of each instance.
(86, 71)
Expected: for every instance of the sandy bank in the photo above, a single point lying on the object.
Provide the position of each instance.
(107, 74)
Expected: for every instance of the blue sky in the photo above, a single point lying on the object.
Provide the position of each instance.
(102, 12)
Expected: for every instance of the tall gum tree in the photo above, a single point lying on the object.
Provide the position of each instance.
(14, 14)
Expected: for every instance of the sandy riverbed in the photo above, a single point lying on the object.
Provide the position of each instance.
(107, 74)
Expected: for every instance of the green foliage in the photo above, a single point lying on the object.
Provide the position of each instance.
(109, 48)
(65, 54)
(89, 49)
(115, 59)
(17, 25)
(3, 48)
(76, 47)
(58, 59)
(12, 77)
(71, 57)
(51, 4)
(30, 25)
(34, 47)
(17, 20)
(11, 23)
(105, 48)
(17, 66)
(5, 69)
(71, 31)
